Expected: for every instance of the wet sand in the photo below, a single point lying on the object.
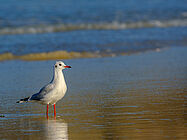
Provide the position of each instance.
(141, 96)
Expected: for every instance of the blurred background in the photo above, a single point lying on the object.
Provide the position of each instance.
(97, 28)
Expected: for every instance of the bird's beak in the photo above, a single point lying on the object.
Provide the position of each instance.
(67, 66)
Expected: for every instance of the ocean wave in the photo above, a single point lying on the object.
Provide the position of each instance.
(99, 26)
(56, 55)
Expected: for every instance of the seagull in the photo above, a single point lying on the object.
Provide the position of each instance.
(52, 92)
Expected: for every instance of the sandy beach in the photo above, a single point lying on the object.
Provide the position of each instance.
(141, 96)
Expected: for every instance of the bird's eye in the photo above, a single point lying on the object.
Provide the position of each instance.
(60, 64)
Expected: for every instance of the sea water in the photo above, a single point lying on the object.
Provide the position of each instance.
(97, 28)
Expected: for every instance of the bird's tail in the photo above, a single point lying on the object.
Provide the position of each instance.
(23, 100)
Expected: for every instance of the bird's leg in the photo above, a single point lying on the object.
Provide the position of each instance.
(54, 111)
(47, 111)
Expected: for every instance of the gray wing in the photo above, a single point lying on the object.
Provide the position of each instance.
(43, 91)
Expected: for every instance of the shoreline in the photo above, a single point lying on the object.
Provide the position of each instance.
(57, 55)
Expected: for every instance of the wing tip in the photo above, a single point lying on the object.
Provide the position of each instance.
(23, 100)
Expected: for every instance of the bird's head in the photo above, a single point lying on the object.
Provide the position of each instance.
(59, 65)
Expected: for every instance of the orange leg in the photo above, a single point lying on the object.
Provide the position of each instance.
(54, 111)
(47, 111)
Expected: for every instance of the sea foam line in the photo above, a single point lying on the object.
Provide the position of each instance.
(49, 56)
(91, 26)
(57, 55)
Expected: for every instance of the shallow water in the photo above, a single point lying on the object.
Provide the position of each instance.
(141, 96)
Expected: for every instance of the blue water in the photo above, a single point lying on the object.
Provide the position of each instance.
(24, 12)
(93, 40)
(111, 26)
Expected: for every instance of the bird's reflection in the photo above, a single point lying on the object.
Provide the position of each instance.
(56, 130)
